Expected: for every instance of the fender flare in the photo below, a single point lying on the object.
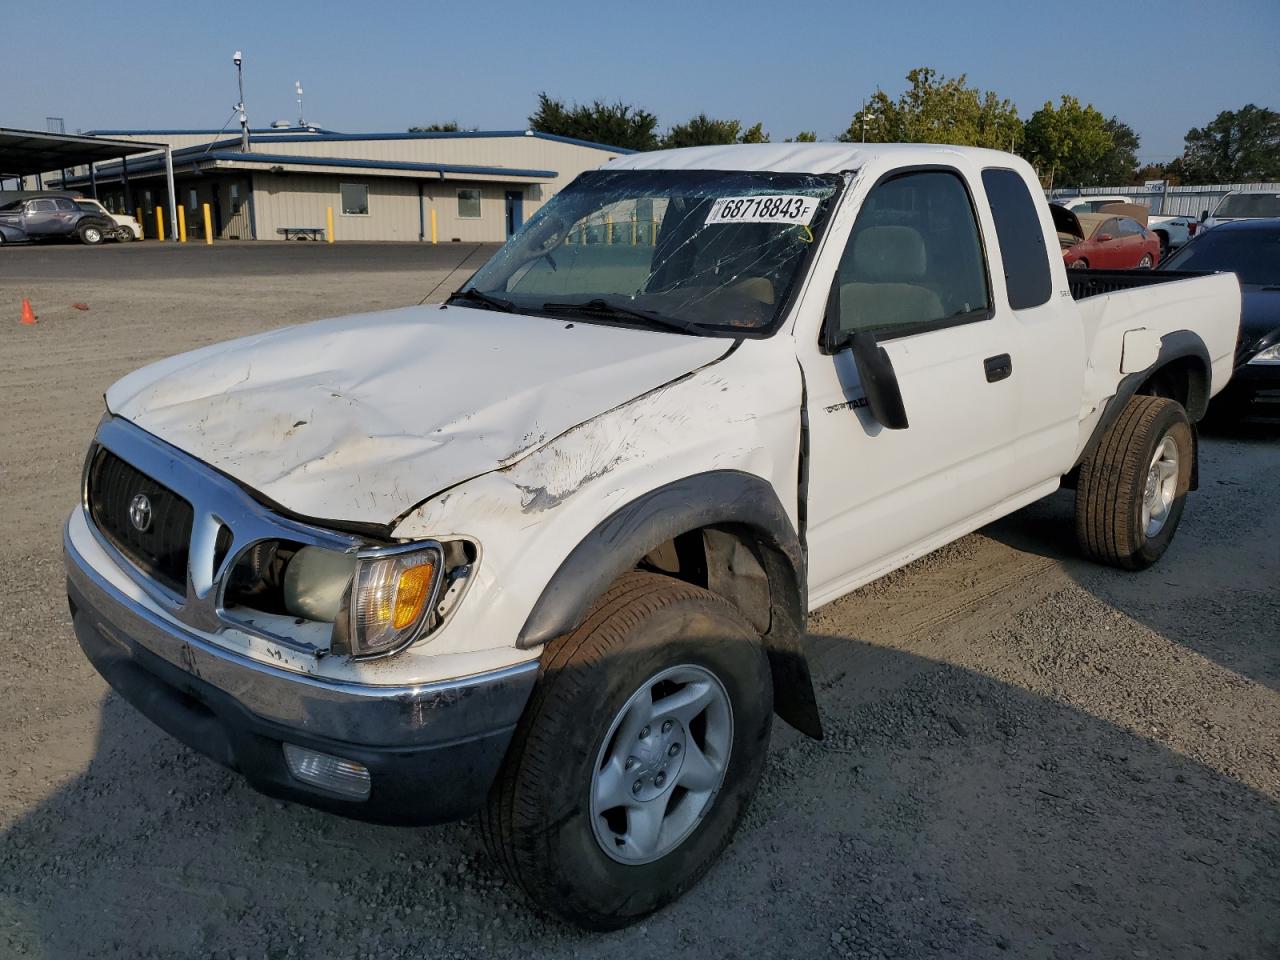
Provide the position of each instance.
(1173, 346)
(716, 498)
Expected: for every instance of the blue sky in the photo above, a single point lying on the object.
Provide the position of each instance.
(1161, 67)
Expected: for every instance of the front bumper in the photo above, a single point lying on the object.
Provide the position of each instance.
(432, 750)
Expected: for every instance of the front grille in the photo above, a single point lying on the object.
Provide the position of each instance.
(160, 550)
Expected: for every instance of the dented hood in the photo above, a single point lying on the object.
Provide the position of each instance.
(359, 418)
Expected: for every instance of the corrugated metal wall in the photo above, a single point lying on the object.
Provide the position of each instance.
(1174, 201)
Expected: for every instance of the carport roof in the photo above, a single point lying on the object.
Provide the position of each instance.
(27, 152)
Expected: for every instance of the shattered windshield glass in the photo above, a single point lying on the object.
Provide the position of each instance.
(696, 251)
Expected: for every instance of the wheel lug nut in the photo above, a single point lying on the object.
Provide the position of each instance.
(637, 787)
(673, 750)
(666, 726)
(631, 763)
(660, 779)
(644, 733)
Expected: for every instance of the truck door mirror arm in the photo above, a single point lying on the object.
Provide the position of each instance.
(875, 369)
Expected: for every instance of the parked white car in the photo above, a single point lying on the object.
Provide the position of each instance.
(1241, 205)
(547, 550)
(132, 228)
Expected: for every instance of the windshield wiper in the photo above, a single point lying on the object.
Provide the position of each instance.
(603, 308)
(490, 302)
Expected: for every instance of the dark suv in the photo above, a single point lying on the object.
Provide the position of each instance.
(44, 218)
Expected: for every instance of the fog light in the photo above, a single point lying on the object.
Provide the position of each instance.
(334, 774)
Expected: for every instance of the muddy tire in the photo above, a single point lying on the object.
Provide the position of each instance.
(637, 756)
(1132, 490)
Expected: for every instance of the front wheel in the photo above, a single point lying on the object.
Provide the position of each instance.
(638, 754)
(1079, 265)
(1133, 488)
(124, 235)
(1146, 263)
(90, 235)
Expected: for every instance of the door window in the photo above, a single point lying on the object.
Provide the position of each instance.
(41, 206)
(914, 259)
(65, 205)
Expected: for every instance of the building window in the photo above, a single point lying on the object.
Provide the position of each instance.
(355, 199)
(235, 199)
(469, 203)
(192, 200)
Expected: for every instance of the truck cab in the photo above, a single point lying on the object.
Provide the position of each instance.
(545, 551)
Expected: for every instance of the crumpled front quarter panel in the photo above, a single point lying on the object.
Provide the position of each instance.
(742, 413)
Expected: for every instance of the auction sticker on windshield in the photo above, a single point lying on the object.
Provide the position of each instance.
(765, 208)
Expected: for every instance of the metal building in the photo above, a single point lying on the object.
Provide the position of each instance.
(473, 186)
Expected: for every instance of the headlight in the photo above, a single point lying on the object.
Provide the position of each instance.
(1269, 355)
(392, 593)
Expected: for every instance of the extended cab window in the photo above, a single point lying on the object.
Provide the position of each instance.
(1021, 238)
(914, 259)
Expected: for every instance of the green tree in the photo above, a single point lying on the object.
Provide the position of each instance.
(614, 124)
(937, 109)
(1237, 146)
(754, 134)
(702, 131)
(449, 126)
(804, 136)
(1067, 143)
(1119, 165)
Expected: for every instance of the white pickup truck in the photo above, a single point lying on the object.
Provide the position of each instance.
(546, 551)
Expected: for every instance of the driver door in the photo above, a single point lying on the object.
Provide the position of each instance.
(914, 273)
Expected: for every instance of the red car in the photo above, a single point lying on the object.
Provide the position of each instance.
(1106, 240)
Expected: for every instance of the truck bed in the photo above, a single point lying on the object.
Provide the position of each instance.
(1090, 283)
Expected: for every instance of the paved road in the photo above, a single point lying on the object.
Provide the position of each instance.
(151, 259)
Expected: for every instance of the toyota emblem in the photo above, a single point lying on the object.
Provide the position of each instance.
(140, 513)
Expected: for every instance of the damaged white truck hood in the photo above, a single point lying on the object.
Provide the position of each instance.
(360, 418)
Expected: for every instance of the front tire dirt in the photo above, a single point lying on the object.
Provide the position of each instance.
(639, 752)
(1133, 487)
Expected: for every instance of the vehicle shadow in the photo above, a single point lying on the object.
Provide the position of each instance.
(947, 814)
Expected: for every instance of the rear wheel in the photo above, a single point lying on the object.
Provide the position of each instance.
(1079, 265)
(91, 235)
(1146, 263)
(1132, 490)
(637, 756)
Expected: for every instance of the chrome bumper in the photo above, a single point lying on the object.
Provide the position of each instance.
(368, 714)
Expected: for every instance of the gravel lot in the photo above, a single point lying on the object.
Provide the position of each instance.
(1028, 756)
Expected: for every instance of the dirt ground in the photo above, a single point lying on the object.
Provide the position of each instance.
(1028, 756)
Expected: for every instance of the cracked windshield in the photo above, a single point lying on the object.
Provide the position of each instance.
(700, 252)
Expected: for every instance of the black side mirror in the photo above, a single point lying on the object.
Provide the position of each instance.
(875, 370)
(1204, 215)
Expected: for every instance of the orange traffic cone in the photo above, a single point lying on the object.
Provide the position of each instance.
(28, 315)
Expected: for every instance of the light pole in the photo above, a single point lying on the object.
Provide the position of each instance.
(865, 117)
(297, 85)
(237, 59)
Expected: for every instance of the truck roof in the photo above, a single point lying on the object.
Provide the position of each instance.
(807, 157)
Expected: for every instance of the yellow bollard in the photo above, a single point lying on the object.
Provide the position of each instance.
(433, 225)
(208, 224)
(182, 224)
(142, 223)
(608, 229)
(328, 222)
(635, 223)
(159, 223)
(653, 232)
